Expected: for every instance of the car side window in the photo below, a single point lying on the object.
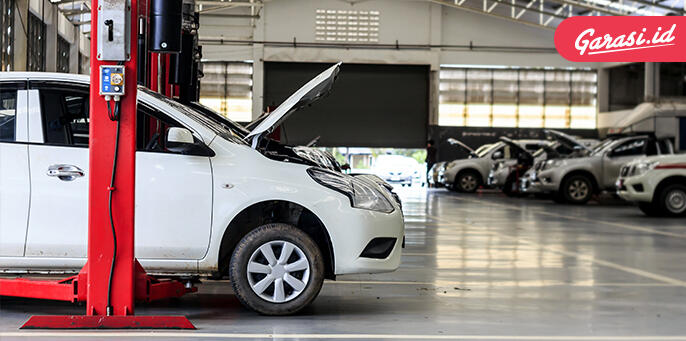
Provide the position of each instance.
(152, 126)
(65, 116)
(8, 113)
(630, 148)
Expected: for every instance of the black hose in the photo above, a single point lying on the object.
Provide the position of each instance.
(114, 117)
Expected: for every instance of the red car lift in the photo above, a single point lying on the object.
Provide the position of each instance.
(108, 308)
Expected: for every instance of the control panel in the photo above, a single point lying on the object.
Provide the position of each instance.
(112, 80)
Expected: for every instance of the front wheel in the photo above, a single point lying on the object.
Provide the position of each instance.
(276, 269)
(467, 182)
(577, 189)
(672, 200)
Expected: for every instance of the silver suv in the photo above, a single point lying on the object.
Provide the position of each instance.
(576, 180)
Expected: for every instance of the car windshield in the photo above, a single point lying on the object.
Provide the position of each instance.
(600, 148)
(219, 118)
(483, 152)
(222, 130)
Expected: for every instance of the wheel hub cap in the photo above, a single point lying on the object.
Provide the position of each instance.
(676, 201)
(278, 271)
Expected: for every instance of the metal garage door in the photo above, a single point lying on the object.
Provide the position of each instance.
(370, 106)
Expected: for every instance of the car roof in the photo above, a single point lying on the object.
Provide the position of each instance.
(53, 76)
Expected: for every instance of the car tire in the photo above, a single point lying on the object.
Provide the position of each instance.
(264, 283)
(467, 182)
(649, 209)
(577, 189)
(671, 200)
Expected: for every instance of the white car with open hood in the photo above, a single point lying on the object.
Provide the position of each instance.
(206, 204)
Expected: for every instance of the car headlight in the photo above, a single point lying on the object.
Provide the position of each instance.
(643, 167)
(553, 163)
(363, 195)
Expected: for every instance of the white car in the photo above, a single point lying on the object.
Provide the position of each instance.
(210, 205)
(466, 175)
(657, 184)
(396, 169)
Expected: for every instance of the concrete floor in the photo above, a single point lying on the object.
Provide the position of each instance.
(476, 267)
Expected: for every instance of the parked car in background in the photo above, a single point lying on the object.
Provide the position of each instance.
(467, 175)
(576, 180)
(656, 183)
(396, 169)
(561, 146)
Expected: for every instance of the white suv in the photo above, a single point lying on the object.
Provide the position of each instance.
(656, 183)
(276, 225)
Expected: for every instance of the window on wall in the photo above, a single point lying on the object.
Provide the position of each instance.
(6, 35)
(346, 26)
(226, 87)
(35, 49)
(517, 97)
(63, 48)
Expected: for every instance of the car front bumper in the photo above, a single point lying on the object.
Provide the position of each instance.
(548, 181)
(352, 230)
(635, 189)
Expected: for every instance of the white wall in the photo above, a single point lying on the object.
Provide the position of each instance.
(405, 21)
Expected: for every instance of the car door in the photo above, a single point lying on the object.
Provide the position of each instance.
(619, 156)
(173, 194)
(173, 191)
(14, 168)
(58, 156)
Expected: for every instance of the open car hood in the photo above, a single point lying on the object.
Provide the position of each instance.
(566, 139)
(459, 143)
(315, 89)
(514, 144)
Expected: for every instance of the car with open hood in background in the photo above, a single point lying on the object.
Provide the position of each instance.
(504, 174)
(576, 180)
(656, 183)
(561, 146)
(209, 202)
(467, 175)
(436, 172)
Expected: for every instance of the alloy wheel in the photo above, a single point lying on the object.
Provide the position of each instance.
(282, 279)
(578, 189)
(468, 182)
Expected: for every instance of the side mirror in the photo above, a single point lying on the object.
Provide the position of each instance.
(345, 167)
(498, 155)
(180, 140)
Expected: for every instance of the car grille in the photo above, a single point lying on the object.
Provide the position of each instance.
(626, 171)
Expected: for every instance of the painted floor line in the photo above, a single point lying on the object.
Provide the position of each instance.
(187, 335)
(627, 269)
(557, 215)
(514, 283)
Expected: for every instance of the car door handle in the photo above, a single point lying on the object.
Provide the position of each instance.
(65, 172)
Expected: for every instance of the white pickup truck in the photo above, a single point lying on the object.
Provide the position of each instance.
(657, 184)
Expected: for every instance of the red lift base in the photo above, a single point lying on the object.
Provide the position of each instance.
(74, 289)
(108, 322)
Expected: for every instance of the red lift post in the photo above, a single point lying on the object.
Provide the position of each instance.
(108, 308)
